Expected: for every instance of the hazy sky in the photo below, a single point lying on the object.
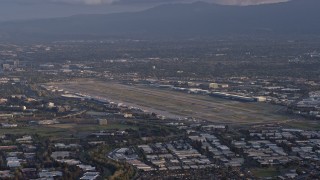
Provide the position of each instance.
(28, 9)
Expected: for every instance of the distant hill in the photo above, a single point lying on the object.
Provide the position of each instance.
(297, 17)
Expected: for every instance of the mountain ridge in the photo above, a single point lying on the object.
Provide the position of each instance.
(298, 17)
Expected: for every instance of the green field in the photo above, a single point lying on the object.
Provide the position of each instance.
(305, 125)
(265, 172)
(62, 130)
(172, 104)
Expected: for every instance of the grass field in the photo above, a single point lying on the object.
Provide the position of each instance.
(305, 125)
(265, 172)
(62, 130)
(177, 104)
